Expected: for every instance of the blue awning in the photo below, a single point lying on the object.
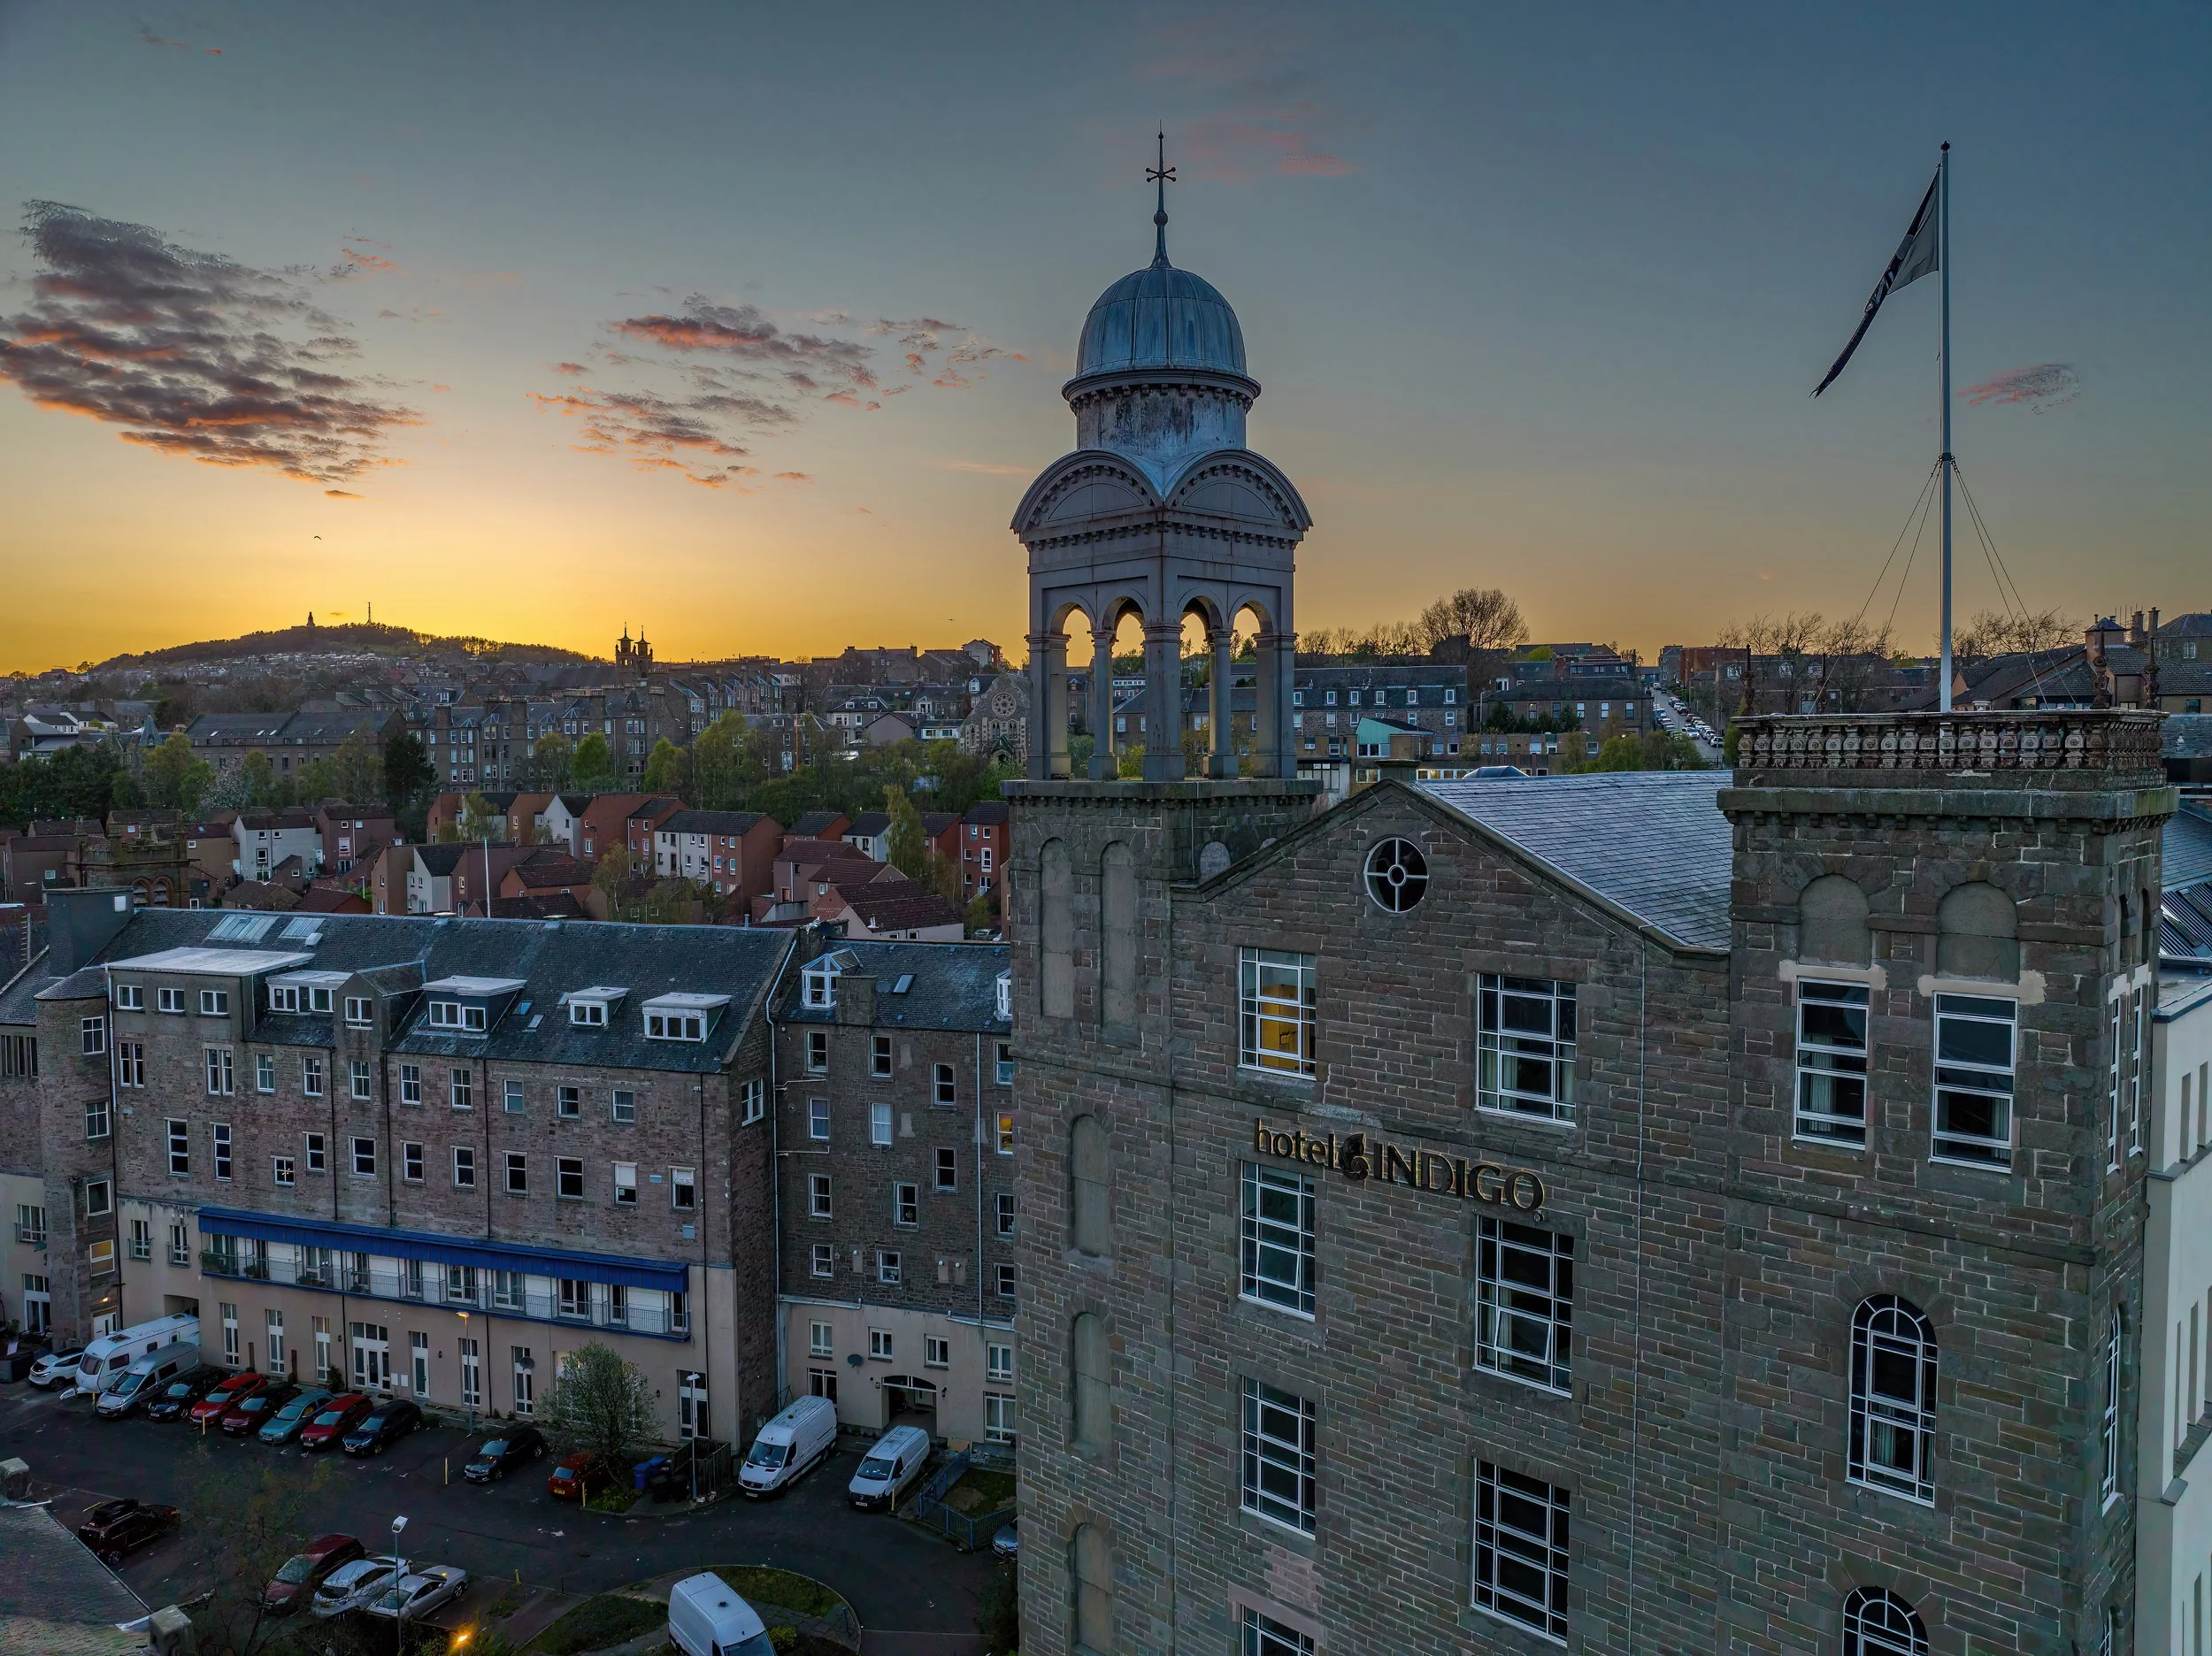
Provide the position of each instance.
(445, 1250)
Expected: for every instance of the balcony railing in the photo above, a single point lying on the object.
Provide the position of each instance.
(30, 1236)
(2107, 747)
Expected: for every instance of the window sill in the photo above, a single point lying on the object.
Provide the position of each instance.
(1822, 1141)
(1564, 1394)
(1276, 1530)
(1258, 1304)
(1554, 1122)
(1278, 1078)
(2002, 1170)
(1476, 1618)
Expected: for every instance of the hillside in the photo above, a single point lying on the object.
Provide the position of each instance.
(358, 638)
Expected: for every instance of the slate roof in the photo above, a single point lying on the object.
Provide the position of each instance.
(2185, 736)
(55, 1597)
(2186, 844)
(811, 825)
(955, 986)
(897, 905)
(551, 959)
(710, 821)
(1652, 841)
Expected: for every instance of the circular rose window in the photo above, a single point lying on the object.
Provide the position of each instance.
(1397, 874)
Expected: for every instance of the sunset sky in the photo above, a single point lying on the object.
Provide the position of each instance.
(745, 323)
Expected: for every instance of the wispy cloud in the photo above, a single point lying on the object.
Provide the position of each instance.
(654, 433)
(988, 468)
(1258, 112)
(2044, 385)
(191, 353)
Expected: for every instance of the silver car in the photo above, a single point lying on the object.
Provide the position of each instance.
(418, 1592)
(351, 1586)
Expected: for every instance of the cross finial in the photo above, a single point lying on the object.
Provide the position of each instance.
(1163, 175)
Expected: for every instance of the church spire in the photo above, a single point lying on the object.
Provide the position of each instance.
(1163, 175)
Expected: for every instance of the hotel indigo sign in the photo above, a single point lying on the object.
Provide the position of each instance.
(1357, 1156)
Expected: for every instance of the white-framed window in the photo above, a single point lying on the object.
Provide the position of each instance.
(464, 1167)
(92, 1035)
(1521, 1549)
(1831, 1062)
(948, 1169)
(142, 1239)
(180, 1145)
(1275, 1227)
(1263, 1636)
(1281, 1481)
(890, 1268)
(1893, 1399)
(456, 1015)
(625, 1184)
(675, 1026)
(472, 1375)
(818, 1117)
(264, 1072)
(622, 1104)
(1004, 1064)
(575, 1297)
(214, 1004)
(824, 1260)
(1525, 1042)
(568, 1178)
(568, 1100)
(410, 1083)
(1973, 1080)
(312, 1075)
(318, 1162)
(99, 1122)
(754, 1096)
(1004, 1280)
(358, 1013)
(1002, 1137)
(589, 1013)
(1877, 1622)
(683, 1189)
(880, 1345)
(511, 1098)
(360, 1078)
(130, 997)
(1004, 1202)
(364, 1158)
(2109, 1424)
(99, 1198)
(2135, 1068)
(817, 1196)
(410, 1162)
(818, 1336)
(281, 1172)
(879, 1056)
(130, 1063)
(222, 1079)
(169, 1001)
(880, 1124)
(460, 1088)
(998, 1417)
(1525, 1326)
(284, 998)
(219, 1139)
(818, 1051)
(2115, 1032)
(945, 1090)
(1276, 996)
(998, 1363)
(936, 1352)
(906, 1203)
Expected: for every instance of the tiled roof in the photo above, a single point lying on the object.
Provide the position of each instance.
(56, 1597)
(897, 905)
(987, 811)
(955, 985)
(2186, 844)
(1652, 841)
(2185, 736)
(710, 821)
(868, 825)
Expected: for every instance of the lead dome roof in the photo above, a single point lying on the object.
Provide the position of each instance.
(1160, 318)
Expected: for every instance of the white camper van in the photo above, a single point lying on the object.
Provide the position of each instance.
(105, 1361)
(707, 1618)
(886, 1470)
(789, 1446)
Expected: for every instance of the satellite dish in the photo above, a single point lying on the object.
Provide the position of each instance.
(852, 1360)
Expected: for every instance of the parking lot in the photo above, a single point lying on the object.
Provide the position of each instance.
(898, 1579)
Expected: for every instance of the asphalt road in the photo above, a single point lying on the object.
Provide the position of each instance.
(896, 1577)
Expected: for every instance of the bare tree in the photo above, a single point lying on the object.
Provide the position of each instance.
(1994, 632)
(1490, 620)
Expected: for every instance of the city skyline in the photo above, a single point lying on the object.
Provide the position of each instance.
(754, 343)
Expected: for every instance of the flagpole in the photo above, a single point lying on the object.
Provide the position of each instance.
(1943, 234)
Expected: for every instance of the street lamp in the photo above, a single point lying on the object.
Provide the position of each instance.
(399, 1579)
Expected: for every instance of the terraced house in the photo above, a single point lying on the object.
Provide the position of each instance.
(423, 1155)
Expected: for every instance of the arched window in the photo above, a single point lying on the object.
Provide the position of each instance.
(1055, 929)
(1832, 921)
(1091, 1563)
(1092, 1422)
(1118, 935)
(1090, 1187)
(1893, 1399)
(1879, 1623)
(1978, 934)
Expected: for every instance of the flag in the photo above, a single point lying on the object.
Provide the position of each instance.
(1920, 252)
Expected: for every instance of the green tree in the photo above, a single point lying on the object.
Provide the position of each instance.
(357, 771)
(906, 846)
(479, 820)
(600, 1403)
(667, 767)
(407, 773)
(261, 1511)
(728, 760)
(551, 757)
(259, 775)
(177, 779)
(592, 770)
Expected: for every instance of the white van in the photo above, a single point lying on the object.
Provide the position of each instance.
(143, 1379)
(706, 1618)
(104, 1360)
(886, 1470)
(789, 1446)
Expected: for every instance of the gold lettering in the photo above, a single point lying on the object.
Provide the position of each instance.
(1523, 1180)
(1355, 1165)
(1396, 1163)
(1281, 1145)
(1333, 1147)
(1437, 1163)
(1459, 1176)
(1317, 1152)
(1488, 1183)
(1260, 1143)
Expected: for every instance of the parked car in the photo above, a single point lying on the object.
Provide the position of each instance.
(894, 1460)
(297, 1583)
(115, 1529)
(216, 1403)
(350, 1586)
(578, 1472)
(1007, 1543)
(498, 1455)
(418, 1592)
(145, 1380)
(178, 1397)
(390, 1423)
(292, 1419)
(251, 1412)
(706, 1617)
(337, 1417)
(56, 1366)
(789, 1446)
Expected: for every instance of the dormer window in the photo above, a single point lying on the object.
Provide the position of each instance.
(686, 1026)
(1006, 994)
(1328, 699)
(318, 998)
(456, 1015)
(358, 1013)
(284, 998)
(591, 1013)
(821, 988)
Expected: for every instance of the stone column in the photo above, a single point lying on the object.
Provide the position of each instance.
(1272, 734)
(1102, 767)
(1162, 701)
(1048, 703)
(1222, 678)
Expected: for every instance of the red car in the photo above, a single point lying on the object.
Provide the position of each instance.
(577, 1471)
(255, 1410)
(295, 1582)
(216, 1403)
(333, 1420)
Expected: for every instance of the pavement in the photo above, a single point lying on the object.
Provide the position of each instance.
(914, 1593)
